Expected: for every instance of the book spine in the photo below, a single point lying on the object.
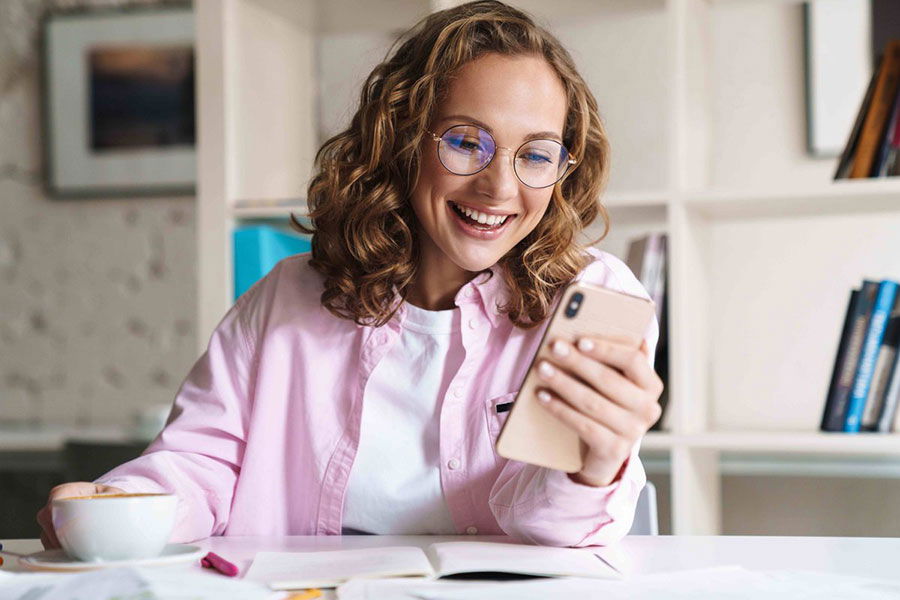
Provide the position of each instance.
(832, 416)
(891, 400)
(893, 158)
(884, 302)
(846, 160)
(881, 166)
(889, 396)
(875, 399)
(834, 419)
(882, 100)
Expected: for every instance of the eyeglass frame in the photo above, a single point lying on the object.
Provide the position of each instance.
(439, 138)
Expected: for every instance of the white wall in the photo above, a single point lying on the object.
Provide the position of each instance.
(97, 297)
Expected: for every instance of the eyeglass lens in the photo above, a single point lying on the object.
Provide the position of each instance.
(467, 149)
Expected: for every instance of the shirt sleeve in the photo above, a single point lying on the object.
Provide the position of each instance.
(198, 454)
(544, 506)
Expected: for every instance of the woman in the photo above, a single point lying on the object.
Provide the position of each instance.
(355, 390)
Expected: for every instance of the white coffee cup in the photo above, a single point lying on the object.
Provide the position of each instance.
(114, 526)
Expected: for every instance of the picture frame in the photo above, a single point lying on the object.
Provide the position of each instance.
(838, 39)
(119, 102)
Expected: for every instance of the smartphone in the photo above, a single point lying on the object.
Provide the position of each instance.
(533, 435)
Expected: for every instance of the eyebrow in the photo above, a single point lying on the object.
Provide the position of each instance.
(537, 135)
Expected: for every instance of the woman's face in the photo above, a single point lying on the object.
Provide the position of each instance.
(512, 98)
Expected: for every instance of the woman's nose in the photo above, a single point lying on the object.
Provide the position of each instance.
(498, 180)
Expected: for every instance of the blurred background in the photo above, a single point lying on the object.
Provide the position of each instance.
(151, 151)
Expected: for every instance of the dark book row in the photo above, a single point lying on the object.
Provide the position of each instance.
(647, 260)
(865, 383)
(873, 148)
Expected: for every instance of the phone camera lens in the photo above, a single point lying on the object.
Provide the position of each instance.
(574, 304)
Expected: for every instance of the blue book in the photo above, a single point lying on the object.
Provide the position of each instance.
(884, 303)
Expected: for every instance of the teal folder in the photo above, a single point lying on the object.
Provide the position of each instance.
(257, 249)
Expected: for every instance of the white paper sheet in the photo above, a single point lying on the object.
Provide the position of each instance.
(467, 557)
(295, 570)
(128, 584)
(733, 583)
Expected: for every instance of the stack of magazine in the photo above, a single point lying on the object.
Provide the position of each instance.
(647, 260)
(865, 383)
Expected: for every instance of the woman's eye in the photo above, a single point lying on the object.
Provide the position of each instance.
(466, 144)
(535, 158)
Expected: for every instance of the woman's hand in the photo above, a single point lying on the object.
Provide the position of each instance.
(67, 490)
(608, 393)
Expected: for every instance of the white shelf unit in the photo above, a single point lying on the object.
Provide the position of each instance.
(704, 105)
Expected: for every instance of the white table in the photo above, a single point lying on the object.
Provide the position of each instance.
(867, 557)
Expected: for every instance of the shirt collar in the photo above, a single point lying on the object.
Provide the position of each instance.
(491, 290)
(488, 288)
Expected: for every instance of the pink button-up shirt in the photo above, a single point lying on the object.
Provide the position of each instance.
(265, 427)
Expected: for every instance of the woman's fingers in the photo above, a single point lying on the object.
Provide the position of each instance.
(67, 490)
(585, 399)
(605, 379)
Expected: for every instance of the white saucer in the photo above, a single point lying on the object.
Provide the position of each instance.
(58, 560)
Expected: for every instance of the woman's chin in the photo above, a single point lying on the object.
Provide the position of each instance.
(476, 264)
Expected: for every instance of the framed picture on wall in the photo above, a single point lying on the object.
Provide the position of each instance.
(119, 102)
(838, 35)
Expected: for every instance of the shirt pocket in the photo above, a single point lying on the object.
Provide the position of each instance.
(496, 419)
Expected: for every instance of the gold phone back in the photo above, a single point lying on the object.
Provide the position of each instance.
(533, 435)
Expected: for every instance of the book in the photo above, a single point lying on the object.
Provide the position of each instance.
(890, 414)
(646, 257)
(883, 364)
(846, 160)
(833, 415)
(884, 303)
(884, 372)
(891, 165)
(647, 260)
(846, 364)
(459, 560)
(878, 113)
(884, 158)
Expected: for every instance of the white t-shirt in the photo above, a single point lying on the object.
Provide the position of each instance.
(395, 483)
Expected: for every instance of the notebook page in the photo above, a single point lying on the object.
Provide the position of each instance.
(329, 568)
(451, 558)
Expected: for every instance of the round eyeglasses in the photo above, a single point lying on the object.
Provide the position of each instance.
(468, 149)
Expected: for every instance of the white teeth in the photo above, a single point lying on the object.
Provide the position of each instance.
(482, 218)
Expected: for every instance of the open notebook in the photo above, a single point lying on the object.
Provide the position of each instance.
(330, 568)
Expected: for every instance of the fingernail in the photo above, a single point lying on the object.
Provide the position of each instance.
(546, 369)
(560, 348)
(585, 345)
(543, 396)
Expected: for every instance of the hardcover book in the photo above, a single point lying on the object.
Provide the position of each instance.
(884, 303)
(879, 112)
(847, 360)
(883, 364)
(846, 160)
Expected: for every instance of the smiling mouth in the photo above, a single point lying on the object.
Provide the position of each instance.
(480, 220)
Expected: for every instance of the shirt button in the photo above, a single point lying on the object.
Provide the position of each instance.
(473, 324)
(469, 292)
(457, 392)
(383, 338)
(453, 463)
(471, 530)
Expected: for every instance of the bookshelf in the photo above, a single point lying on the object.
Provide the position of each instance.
(704, 104)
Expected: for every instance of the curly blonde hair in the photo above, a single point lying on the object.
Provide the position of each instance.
(365, 234)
